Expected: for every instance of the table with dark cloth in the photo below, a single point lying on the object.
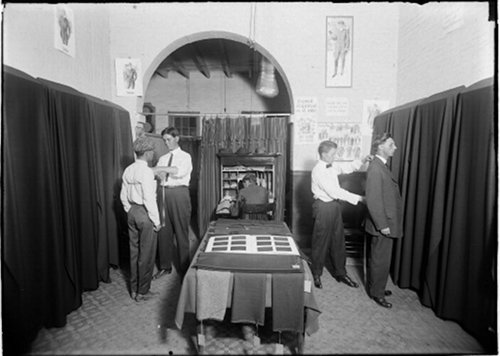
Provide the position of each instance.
(208, 292)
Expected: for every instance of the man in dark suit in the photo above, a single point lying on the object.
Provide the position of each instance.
(384, 221)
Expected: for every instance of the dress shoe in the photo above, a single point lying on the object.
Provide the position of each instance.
(144, 297)
(382, 302)
(387, 293)
(347, 280)
(317, 282)
(161, 273)
(133, 295)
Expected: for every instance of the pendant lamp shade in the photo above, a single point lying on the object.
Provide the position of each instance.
(266, 83)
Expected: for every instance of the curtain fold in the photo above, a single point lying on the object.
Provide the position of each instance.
(446, 171)
(60, 232)
(40, 286)
(247, 134)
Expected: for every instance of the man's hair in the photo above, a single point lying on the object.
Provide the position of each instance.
(326, 146)
(172, 131)
(250, 177)
(143, 145)
(379, 140)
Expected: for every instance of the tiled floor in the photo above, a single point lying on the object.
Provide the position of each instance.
(110, 322)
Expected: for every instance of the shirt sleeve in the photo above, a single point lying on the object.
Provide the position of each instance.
(329, 183)
(349, 167)
(123, 197)
(184, 166)
(162, 161)
(149, 196)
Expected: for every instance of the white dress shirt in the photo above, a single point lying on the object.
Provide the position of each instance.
(325, 183)
(139, 187)
(181, 160)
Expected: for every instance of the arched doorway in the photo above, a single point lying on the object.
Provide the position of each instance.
(211, 72)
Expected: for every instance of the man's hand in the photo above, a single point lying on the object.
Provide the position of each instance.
(366, 159)
(386, 231)
(162, 175)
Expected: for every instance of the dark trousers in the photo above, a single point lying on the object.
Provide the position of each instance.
(177, 207)
(328, 238)
(379, 264)
(142, 240)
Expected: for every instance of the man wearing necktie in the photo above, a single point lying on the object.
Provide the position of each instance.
(328, 232)
(384, 222)
(174, 169)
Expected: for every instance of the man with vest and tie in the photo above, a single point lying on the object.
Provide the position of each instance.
(174, 170)
(384, 222)
(328, 232)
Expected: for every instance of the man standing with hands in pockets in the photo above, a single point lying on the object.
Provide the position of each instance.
(138, 197)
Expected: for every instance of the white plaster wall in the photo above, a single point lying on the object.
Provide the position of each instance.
(28, 45)
(294, 35)
(443, 45)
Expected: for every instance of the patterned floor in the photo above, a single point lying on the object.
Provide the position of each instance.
(110, 322)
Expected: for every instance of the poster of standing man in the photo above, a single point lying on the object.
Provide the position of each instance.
(339, 51)
(128, 77)
(64, 30)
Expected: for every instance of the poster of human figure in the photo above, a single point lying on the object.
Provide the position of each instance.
(64, 30)
(372, 108)
(339, 51)
(128, 77)
(347, 136)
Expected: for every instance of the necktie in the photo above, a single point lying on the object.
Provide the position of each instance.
(163, 210)
(328, 165)
(169, 164)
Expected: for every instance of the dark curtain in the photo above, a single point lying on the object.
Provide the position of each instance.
(446, 169)
(38, 285)
(58, 209)
(247, 134)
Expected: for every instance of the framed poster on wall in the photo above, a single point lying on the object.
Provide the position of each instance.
(64, 33)
(128, 77)
(346, 135)
(339, 31)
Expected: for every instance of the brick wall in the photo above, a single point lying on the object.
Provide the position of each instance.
(442, 45)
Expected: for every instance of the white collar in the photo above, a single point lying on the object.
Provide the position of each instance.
(384, 161)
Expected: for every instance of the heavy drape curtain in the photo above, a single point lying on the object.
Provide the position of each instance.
(63, 157)
(231, 133)
(446, 169)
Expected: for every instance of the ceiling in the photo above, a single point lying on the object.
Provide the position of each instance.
(209, 56)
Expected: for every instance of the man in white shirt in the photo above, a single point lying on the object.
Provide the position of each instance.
(174, 170)
(328, 232)
(138, 197)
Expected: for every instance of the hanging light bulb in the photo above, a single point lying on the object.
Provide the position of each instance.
(266, 83)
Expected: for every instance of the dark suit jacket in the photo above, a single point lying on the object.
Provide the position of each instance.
(383, 199)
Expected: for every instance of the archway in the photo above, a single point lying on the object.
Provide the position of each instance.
(220, 35)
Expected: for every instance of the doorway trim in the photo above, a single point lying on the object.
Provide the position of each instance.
(172, 47)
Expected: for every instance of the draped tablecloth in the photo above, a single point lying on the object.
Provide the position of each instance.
(208, 293)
